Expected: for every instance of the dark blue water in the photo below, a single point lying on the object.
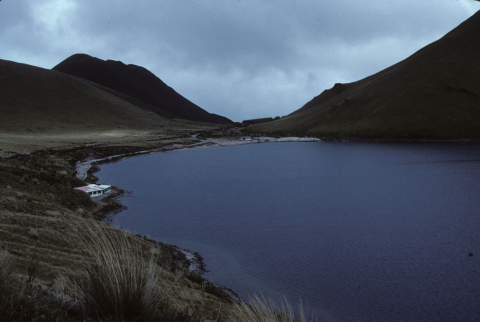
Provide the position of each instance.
(359, 231)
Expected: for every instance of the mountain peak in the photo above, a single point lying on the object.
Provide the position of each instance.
(137, 85)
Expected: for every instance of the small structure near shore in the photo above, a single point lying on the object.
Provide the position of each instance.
(95, 190)
(246, 138)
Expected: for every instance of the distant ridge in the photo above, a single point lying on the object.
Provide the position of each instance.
(136, 85)
(433, 94)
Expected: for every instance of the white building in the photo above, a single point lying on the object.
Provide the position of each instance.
(95, 190)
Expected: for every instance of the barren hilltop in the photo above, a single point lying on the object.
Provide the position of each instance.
(433, 94)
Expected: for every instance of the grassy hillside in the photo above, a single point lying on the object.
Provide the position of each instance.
(42, 109)
(433, 94)
(36, 99)
(136, 85)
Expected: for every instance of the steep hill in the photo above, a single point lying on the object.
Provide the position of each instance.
(433, 94)
(137, 85)
(34, 99)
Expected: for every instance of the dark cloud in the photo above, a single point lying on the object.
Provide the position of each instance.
(242, 59)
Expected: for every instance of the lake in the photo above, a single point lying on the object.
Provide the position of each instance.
(358, 231)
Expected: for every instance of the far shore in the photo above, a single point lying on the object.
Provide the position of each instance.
(83, 167)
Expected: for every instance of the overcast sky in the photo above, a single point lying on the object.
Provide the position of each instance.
(241, 59)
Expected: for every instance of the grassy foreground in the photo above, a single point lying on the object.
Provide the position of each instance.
(121, 280)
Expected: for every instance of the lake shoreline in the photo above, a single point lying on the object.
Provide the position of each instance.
(86, 169)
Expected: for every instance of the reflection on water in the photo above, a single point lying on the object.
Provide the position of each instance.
(360, 231)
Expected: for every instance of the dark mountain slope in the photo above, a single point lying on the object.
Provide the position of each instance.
(34, 99)
(433, 94)
(136, 85)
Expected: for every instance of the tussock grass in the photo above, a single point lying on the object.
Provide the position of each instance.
(262, 309)
(119, 283)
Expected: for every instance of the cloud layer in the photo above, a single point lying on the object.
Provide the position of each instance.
(241, 59)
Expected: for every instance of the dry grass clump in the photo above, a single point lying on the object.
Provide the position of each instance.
(120, 283)
(262, 309)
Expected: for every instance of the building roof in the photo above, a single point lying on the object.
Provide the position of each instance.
(88, 189)
(93, 187)
(101, 186)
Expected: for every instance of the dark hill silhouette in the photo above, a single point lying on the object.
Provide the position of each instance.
(136, 85)
(433, 94)
(37, 100)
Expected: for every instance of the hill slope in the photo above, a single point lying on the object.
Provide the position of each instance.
(36, 99)
(433, 94)
(136, 85)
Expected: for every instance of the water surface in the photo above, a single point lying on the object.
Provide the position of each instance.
(359, 231)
